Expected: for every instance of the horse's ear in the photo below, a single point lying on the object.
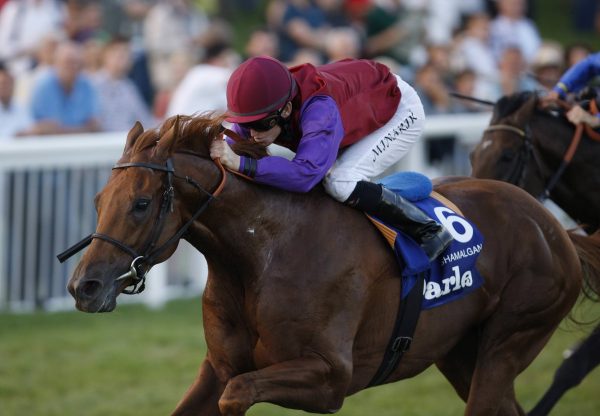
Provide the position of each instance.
(132, 136)
(166, 144)
(524, 114)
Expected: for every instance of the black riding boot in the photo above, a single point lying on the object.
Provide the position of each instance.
(395, 210)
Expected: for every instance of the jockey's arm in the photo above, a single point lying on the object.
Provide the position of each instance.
(322, 133)
(578, 75)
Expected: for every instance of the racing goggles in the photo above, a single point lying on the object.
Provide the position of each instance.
(265, 123)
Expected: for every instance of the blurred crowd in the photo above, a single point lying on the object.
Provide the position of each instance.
(86, 66)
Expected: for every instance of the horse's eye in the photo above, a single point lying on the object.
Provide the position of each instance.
(141, 205)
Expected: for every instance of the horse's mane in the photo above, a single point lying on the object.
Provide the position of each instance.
(195, 134)
(508, 104)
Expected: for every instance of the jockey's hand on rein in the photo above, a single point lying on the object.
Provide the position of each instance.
(220, 149)
(578, 115)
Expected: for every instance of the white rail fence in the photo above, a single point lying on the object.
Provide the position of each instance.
(47, 186)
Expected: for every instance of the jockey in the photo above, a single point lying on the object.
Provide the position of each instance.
(574, 80)
(346, 121)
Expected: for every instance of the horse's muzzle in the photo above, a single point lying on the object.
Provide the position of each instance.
(92, 295)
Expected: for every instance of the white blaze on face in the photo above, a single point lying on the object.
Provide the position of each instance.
(486, 144)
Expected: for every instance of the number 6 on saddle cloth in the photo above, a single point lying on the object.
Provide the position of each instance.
(453, 274)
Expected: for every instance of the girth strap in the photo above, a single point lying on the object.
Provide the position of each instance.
(407, 317)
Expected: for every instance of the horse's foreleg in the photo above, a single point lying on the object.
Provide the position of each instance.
(203, 396)
(307, 383)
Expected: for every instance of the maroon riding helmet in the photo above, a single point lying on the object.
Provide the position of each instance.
(257, 88)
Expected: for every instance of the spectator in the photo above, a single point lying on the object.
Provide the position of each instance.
(136, 11)
(306, 56)
(93, 50)
(513, 77)
(13, 118)
(262, 42)
(121, 18)
(304, 25)
(576, 52)
(392, 31)
(215, 44)
(85, 21)
(172, 26)
(548, 65)
(432, 90)
(23, 23)
(334, 12)
(473, 52)
(342, 43)
(438, 55)
(203, 88)
(512, 28)
(274, 12)
(65, 101)
(180, 63)
(465, 83)
(120, 102)
(444, 18)
(44, 58)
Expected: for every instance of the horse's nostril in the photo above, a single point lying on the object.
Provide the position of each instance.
(89, 289)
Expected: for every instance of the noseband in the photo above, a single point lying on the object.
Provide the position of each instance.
(142, 262)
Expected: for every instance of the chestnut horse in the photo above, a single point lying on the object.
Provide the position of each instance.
(524, 145)
(302, 291)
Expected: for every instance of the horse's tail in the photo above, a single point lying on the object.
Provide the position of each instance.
(588, 250)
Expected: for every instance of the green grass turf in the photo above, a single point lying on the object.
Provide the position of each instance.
(136, 361)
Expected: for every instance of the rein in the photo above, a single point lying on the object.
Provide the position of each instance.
(150, 252)
(527, 150)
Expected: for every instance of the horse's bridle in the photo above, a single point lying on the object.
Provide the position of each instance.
(150, 252)
(516, 175)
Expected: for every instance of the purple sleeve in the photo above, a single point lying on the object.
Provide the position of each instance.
(323, 132)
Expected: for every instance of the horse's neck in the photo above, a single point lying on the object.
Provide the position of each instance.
(574, 192)
(240, 227)
(552, 138)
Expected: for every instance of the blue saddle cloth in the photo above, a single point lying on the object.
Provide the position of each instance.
(453, 274)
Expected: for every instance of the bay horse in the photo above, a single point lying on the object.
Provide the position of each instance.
(302, 291)
(525, 145)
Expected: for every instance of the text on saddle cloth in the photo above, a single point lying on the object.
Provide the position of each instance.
(453, 274)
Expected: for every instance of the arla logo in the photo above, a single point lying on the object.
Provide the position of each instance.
(434, 290)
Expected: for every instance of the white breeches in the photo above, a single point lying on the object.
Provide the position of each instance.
(379, 150)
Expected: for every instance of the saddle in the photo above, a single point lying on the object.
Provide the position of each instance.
(453, 274)
(426, 284)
